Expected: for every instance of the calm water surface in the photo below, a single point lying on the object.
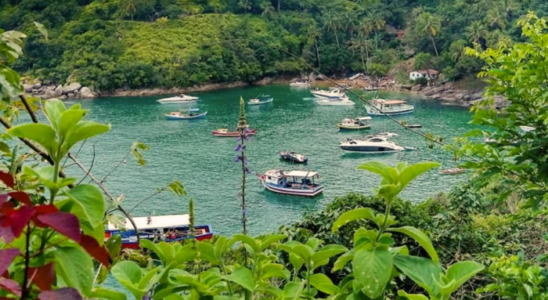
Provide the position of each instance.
(186, 151)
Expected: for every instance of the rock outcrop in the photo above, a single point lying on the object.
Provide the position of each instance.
(48, 90)
(72, 88)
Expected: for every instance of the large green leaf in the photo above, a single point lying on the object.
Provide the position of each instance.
(185, 254)
(90, 203)
(379, 168)
(54, 109)
(461, 272)
(424, 272)
(83, 131)
(254, 244)
(274, 270)
(242, 277)
(42, 134)
(167, 252)
(293, 290)
(421, 238)
(352, 215)
(69, 119)
(372, 269)
(75, 267)
(150, 245)
(341, 262)
(271, 239)
(102, 293)
(313, 243)
(412, 296)
(413, 171)
(323, 284)
(129, 274)
(207, 252)
(328, 252)
(296, 261)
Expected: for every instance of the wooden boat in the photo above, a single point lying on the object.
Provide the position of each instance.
(370, 89)
(293, 157)
(172, 228)
(453, 171)
(175, 115)
(414, 126)
(263, 99)
(296, 183)
(354, 124)
(380, 107)
(223, 132)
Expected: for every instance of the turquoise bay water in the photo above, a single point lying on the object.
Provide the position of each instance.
(186, 151)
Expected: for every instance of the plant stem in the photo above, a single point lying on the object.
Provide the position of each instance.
(386, 214)
(25, 292)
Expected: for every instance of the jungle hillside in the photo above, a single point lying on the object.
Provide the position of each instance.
(110, 44)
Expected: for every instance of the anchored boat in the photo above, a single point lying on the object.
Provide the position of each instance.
(453, 171)
(178, 99)
(354, 124)
(300, 83)
(297, 183)
(223, 132)
(293, 157)
(330, 94)
(380, 107)
(192, 114)
(171, 228)
(371, 144)
(263, 99)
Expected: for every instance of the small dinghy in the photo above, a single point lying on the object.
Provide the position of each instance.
(453, 171)
(262, 99)
(223, 132)
(293, 157)
(370, 89)
(413, 126)
(354, 124)
(191, 115)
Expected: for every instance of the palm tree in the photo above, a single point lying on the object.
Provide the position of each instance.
(314, 33)
(430, 25)
(476, 31)
(267, 8)
(456, 50)
(332, 22)
(509, 6)
(130, 8)
(244, 4)
(495, 18)
(361, 45)
(376, 22)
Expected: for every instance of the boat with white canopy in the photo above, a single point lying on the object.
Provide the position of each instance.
(296, 183)
(355, 124)
(178, 99)
(371, 144)
(380, 107)
(172, 228)
(330, 94)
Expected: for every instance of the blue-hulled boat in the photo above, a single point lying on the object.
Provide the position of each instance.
(262, 99)
(171, 228)
(193, 113)
(296, 183)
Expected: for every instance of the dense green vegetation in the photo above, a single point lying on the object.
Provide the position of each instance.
(112, 44)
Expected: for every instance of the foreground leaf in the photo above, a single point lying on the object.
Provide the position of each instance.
(372, 269)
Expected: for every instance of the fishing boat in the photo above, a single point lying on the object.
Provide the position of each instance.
(372, 144)
(335, 93)
(178, 99)
(413, 125)
(223, 132)
(300, 83)
(293, 157)
(354, 124)
(370, 88)
(342, 101)
(453, 171)
(380, 107)
(172, 228)
(192, 114)
(297, 183)
(263, 99)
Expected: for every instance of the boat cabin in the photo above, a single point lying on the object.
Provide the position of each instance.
(292, 179)
(388, 104)
(171, 228)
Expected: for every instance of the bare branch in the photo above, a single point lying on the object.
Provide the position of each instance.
(150, 196)
(28, 108)
(90, 167)
(118, 165)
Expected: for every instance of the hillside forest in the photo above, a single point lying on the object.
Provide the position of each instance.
(110, 44)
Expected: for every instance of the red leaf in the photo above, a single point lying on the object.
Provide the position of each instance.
(11, 286)
(3, 198)
(7, 179)
(6, 207)
(98, 252)
(18, 219)
(5, 232)
(44, 276)
(6, 257)
(43, 210)
(21, 197)
(64, 223)
(60, 294)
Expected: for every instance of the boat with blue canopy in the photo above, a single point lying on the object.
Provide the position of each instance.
(296, 183)
(193, 113)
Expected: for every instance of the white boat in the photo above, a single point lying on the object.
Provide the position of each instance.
(371, 145)
(370, 88)
(178, 99)
(380, 107)
(300, 83)
(330, 94)
(355, 124)
(263, 99)
(297, 183)
(342, 101)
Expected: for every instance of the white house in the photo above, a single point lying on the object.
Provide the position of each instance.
(424, 74)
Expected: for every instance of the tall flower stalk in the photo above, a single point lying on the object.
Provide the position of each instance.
(240, 148)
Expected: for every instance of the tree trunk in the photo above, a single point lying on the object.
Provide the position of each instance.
(376, 42)
(279, 1)
(318, 54)
(337, 38)
(363, 63)
(434, 44)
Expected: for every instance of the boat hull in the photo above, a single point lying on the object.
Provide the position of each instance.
(370, 149)
(129, 238)
(231, 133)
(343, 127)
(293, 159)
(375, 112)
(261, 103)
(168, 101)
(335, 103)
(294, 192)
(201, 116)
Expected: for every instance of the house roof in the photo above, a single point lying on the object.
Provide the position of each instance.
(431, 71)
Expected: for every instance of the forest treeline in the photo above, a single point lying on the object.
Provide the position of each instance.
(109, 44)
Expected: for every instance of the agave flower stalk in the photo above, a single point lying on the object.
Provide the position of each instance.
(240, 148)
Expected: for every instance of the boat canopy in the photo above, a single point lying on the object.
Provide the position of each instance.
(388, 102)
(301, 174)
(363, 118)
(155, 222)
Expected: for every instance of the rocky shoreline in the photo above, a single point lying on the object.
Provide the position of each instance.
(72, 90)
